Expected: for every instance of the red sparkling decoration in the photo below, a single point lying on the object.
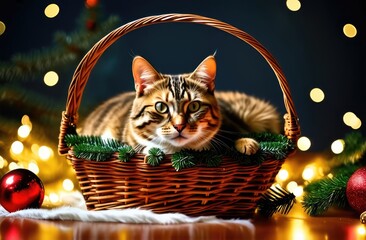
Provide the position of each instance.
(356, 190)
(21, 189)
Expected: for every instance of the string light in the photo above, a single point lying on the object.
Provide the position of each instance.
(44, 152)
(309, 172)
(17, 147)
(2, 28)
(68, 185)
(3, 162)
(337, 146)
(32, 166)
(282, 175)
(293, 5)
(51, 10)
(351, 120)
(13, 166)
(50, 78)
(350, 30)
(298, 191)
(24, 131)
(54, 198)
(317, 95)
(303, 143)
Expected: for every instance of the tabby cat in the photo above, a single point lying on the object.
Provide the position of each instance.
(174, 112)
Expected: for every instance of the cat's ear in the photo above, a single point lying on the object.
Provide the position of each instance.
(206, 72)
(143, 74)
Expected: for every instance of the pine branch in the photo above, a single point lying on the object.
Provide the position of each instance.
(276, 199)
(155, 156)
(125, 153)
(68, 48)
(322, 194)
(182, 159)
(93, 152)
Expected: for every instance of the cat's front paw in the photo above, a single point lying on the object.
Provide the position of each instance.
(247, 146)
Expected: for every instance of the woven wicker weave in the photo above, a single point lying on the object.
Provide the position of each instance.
(230, 190)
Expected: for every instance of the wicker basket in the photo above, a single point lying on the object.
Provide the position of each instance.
(226, 191)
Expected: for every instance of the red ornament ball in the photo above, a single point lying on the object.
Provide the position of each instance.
(356, 190)
(21, 189)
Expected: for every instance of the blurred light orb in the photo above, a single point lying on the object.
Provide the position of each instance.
(317, 95)
(337, 146)
(2, 28)
(291, 186)
(293, 5)
(351, 120)
(33, 167)
(17, 147)
(51, 10)
(24, 131)
(68, 185)
(44, 152)
(350, 30)
(298, 191)
(282, 175)
(303, 143)
(50, 78)
(309, 172)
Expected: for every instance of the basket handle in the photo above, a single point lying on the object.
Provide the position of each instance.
(82, 72)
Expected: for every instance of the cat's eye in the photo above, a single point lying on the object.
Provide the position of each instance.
(194, 106)
(161, 107)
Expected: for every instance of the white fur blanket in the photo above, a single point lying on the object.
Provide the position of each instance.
(122, 216)
(74, 209)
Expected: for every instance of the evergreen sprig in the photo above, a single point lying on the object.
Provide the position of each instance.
(275, 200)
(322, 194)
(155, 156)
(183, 159)
(125, 153)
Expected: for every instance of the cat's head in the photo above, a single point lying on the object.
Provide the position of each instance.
(173, 112)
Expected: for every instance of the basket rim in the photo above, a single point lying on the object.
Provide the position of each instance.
(70, 114)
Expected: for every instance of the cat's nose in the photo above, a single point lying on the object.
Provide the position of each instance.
(179, 123)
(179, 127)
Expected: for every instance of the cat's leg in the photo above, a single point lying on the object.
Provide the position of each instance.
(247, 146)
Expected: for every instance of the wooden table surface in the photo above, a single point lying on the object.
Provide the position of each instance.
(296, 225)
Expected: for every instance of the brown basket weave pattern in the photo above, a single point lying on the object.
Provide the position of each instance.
(229, 190)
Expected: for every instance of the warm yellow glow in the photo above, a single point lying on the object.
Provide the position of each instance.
(293, 5)
(351, 120)
(54, 198)
(337, 146)
(26, 121)
(23, 131)
(317, 95)
(17, 147)
(13, 166)
(303, 143)
(349, 30)
(2, 27)
(68, 185)
(361, 230)
(50, 78)
(309, 172)
(33, 167)
(282, 175)
(3, 162)
(298, 191)
(44, 152)
(51, 10)
(291, 186)
(330, 175)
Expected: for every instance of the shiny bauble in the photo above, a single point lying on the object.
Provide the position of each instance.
(21, 189)
(356, 190)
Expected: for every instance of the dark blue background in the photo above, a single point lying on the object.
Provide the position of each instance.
(309, 45)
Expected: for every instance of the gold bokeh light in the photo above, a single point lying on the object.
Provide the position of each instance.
(317, 95)
(303, 143)
(293, 5)
(51, 10)
(2, 28)
(350, 30)
(50, 78)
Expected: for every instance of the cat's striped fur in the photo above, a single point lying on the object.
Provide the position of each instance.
(174, 112)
